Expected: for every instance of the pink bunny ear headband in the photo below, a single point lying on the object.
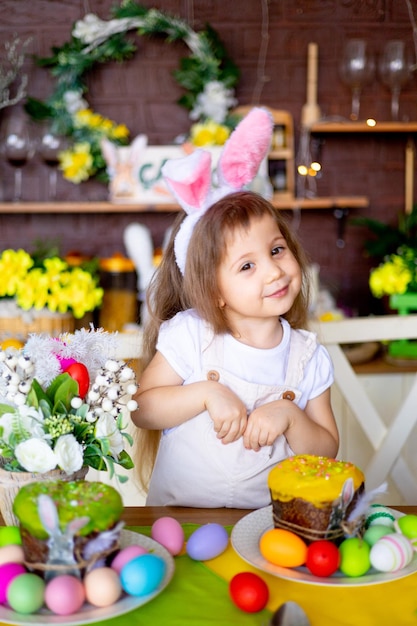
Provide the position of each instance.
(189, 178)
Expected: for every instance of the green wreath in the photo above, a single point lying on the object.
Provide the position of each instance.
(97, 41)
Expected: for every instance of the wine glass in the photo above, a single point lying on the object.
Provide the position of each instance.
(394, 68)
(18, 148)
(51, 143)
(357, 69)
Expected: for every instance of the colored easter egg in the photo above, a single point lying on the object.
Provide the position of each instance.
(391, 553)
(375, 532)
(249, 592)
(207, 542)
(10, 535)
(323, 558)
(282, 547)
(25, 594)
(64, 595)
(354, 557)
(79, 373)
(169, 533)
(102, 586)
(11, 554)
(125, 555)
(379, 514)
(143, 574)
(9, 571)
(407, 525)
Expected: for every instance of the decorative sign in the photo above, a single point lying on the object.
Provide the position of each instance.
(136, 176)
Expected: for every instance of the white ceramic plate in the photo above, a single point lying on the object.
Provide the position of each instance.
(88, 613)
(245, 540)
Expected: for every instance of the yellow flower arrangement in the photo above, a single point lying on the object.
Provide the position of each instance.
(50, 283)
(84, 158)
(396, 275)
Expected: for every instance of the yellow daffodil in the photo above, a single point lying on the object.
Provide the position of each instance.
(392, 277)
(209, 134)
(77, 164)
(54, 285)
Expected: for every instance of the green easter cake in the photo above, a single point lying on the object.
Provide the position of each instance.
(101, 505)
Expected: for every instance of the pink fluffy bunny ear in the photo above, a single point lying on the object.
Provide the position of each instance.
(189, 179)
(245, 149)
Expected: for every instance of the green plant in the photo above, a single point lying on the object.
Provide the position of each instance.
(387, 239)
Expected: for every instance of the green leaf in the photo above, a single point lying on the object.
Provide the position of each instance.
(125, 460)
(6, 408)
(36, 394)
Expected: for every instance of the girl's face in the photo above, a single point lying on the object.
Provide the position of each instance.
(259, 277)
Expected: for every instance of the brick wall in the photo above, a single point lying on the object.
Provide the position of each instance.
(142, 93)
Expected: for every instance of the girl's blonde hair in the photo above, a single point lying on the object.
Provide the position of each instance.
(170, 292)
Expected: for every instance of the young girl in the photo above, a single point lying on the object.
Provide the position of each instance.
(233, 384)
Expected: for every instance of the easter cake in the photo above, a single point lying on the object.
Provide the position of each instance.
(312, 495)
(54, 515)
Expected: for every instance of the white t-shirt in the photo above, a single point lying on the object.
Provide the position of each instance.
(182, 340)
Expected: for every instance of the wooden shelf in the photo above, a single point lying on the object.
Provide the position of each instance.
(363, 127)
(331, 202)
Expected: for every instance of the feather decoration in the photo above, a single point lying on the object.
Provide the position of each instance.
(102, 543)
(364, 501)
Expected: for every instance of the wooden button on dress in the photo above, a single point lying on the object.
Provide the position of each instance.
(288, 395)
(213, 375)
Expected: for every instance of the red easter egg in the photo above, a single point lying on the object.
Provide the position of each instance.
(79, 373)
(323, 558)
(249, 592)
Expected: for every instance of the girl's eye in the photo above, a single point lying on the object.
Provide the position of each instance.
(277, 250)
(246, 266)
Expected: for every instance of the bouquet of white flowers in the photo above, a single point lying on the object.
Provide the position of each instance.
(61, 404)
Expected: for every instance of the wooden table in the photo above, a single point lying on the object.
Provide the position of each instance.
(147, 515)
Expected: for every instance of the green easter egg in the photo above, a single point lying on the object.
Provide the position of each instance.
(408, 526)
(25, 594)
(10, 535)
(354, 557)
(375, 532)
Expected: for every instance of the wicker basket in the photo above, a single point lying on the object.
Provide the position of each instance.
(18, 324)
(11, 482)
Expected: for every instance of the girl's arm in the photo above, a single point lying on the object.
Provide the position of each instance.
(312, 431)
(165, 402)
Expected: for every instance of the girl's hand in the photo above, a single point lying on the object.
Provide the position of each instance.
(266, 423)
(227, 411)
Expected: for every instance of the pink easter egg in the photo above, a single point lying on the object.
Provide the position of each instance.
(8, 572)
(65, 363)
(169, 533)
(125, 555)
(64, 595)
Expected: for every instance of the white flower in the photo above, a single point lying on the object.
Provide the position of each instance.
(74, 102)
(69, 454)
(106, 428)
(27, 418)
(214, 102)
(34, 455)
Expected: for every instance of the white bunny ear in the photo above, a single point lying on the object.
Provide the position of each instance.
(245, 149)
(189, 179)
(48, 514)
(137, 147)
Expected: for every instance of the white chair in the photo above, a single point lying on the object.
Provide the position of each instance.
(387, 441)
